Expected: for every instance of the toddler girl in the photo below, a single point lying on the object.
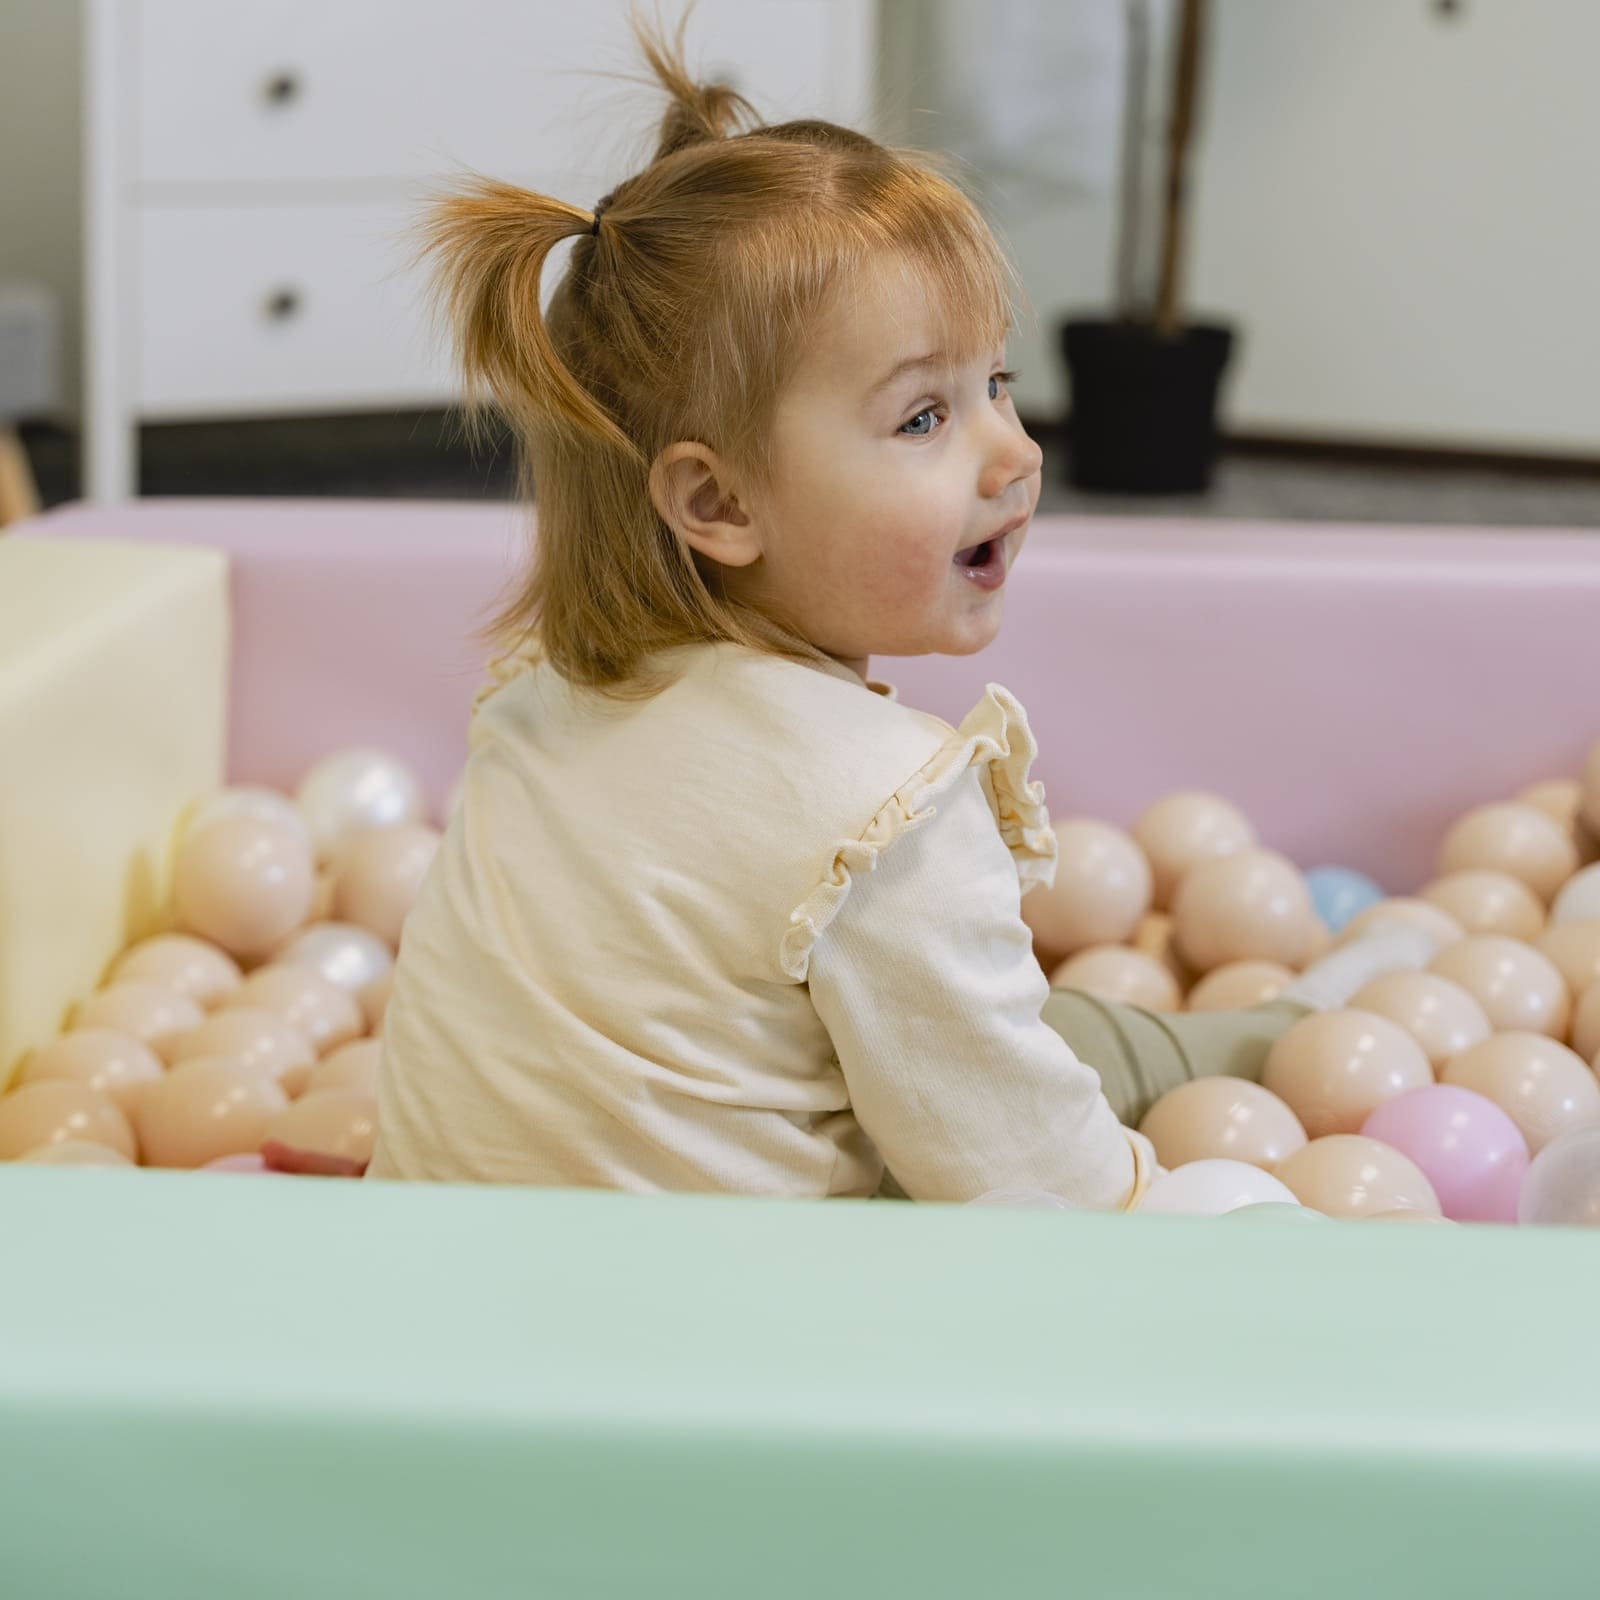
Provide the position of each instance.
(717, 911)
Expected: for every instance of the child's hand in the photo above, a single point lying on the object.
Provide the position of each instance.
(280, 1157)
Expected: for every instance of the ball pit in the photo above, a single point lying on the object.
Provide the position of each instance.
(966, 1325)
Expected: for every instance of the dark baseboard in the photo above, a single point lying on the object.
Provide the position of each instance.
(1057, 432)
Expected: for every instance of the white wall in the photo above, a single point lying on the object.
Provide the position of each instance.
(1397, 210)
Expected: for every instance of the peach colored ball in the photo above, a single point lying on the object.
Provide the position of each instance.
(333, 1122)
(1333, 1069)
(1579, 898)
(1179, 831)
(1114, 972)
(321, 1010)
(205, 1108)
(1589, 805)
(1349, 1175)
(149, 1012)
(1488, 902)
(1586, 1026)
(1440, 1015)
(1574, 947)
(1238, 985)
(1225, 1118)
(1544, 1087)
(1100, 894)
(244, 883)
(1405, 911)
(256, 1038)
(1513, 838)
(1558, 798)
(112, 1064)
(343, 953)
(1516, 985)
(351, 1066)
(52, 1111)
(1252, 905)
(74, 1153)
(380, 874)
(194, 968)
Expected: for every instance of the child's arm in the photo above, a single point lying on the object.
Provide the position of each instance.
(926, 981)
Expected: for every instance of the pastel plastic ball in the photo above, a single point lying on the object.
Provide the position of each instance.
(194, 968)
(1473, 1154)
(1440, 1015)
(1562, 1188)
(250, 800)
(353, 790)
(1488, 902)
(1100, 894)
(379, 876)
(244, 884)
(1333, 1068)
(1221, 1118)
(249, 1161)
(206, 1108)
(1516, 985)
(344, 954)
(1514, 838)
(1249, 906)
(1545, 1088)
(149, 1012)
(332, 1122)
(1181, 830)
(1574, 948)
(326, 1014)
(1346, 1175)
(1586, 1025)
(1405, 911)
(256, 1038)
(1116, 973)
(1558, 798)
(1340, 893)
(1238, 985)
(74, 1153)
(112, 1064)
(1210, 1188)
(1579, 898)
(1022, 1200)
(52, 1112)
(351, 1066)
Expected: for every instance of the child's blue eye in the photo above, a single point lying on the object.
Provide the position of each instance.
(996, 381)
(912, 428)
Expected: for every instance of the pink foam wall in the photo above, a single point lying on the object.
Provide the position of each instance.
(1353, 688)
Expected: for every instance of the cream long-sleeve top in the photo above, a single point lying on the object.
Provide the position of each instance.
(760, 933)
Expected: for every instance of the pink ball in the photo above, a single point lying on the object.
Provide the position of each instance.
(246, 1161)
(1470, 1150)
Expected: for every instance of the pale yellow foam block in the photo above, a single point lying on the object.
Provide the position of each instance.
(113, 704)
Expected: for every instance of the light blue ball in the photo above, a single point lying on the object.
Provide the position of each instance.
(1340, 893)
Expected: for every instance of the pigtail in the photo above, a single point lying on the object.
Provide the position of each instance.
(696, 112)
(486, 246)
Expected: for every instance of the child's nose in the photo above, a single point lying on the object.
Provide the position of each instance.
(1013, 456)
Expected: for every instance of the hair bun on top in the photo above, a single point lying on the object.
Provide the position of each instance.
(697, 112)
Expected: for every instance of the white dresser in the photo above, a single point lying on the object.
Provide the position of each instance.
(250, 169)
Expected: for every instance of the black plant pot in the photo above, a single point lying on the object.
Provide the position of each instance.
(1143, 406)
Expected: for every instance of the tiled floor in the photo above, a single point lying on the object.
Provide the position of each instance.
(419, 455)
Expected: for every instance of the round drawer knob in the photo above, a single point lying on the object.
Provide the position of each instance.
(281, 88)
(281, 304)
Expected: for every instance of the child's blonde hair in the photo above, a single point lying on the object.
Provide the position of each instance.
(680, 317)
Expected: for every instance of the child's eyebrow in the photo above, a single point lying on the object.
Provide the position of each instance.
(934, 358)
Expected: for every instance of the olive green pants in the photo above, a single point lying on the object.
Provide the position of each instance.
(1142, 1054)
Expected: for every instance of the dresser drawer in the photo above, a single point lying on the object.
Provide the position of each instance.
(263, 309)
(301, 90)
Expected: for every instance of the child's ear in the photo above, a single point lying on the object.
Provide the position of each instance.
(695, 495)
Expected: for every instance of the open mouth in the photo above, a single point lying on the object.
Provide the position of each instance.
(983, 564)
